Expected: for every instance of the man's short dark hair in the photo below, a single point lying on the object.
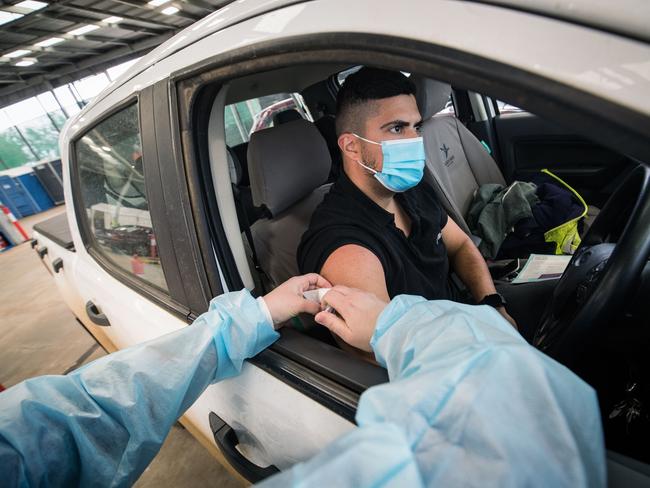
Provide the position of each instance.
(362, 87)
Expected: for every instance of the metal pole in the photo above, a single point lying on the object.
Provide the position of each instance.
(238, 123)
(77, 98)
(65, 112)
(251, 111)
(31, 149)
(56, 175)
(56, 127)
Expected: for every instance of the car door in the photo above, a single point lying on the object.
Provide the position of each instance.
(528, 143)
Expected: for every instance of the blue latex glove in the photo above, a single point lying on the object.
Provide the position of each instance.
(470, 403)
(103, 424)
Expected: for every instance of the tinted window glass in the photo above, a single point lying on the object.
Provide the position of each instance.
(109, 158)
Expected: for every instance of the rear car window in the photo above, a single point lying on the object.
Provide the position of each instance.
(109, 160)
(244, 118)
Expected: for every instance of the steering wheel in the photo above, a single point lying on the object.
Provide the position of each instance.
(601, 274)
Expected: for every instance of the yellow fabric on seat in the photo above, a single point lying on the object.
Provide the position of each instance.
(566, 236)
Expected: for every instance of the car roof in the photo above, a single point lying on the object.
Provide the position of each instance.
(627, 17)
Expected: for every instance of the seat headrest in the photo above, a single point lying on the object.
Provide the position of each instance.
(286, 163)
(234, 167)
(286, 116)
(431, 95)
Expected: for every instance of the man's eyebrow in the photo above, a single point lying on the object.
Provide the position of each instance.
(399, 122)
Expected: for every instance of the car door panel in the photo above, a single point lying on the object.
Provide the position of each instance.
(275, 423)
(528, 143)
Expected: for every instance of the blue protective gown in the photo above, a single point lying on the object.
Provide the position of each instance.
(469, 403)
(103, 424)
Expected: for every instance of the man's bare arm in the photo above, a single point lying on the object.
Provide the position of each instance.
(467, 262)
(469, 265)
(357, 267)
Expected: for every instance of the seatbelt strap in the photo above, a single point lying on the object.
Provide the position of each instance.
(249, 237)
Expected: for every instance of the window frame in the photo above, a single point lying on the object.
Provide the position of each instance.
(170, 300)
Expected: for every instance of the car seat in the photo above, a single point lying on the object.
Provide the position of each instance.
(286, 116)
(288, 166)
(458, 163)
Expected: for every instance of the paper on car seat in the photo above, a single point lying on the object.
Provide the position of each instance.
(541, 267)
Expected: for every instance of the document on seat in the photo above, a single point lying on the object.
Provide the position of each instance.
(540, 267)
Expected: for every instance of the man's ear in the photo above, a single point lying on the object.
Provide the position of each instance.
(349, 145)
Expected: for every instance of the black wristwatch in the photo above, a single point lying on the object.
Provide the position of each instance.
(495, 300)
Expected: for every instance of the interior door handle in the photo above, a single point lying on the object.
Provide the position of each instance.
(95, 315)
(226, 439)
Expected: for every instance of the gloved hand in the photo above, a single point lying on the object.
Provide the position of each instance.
(287, 301)
(358, 313)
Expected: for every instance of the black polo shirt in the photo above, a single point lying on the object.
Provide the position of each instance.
(416, 265)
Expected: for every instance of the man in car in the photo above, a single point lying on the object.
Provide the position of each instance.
(380, 228)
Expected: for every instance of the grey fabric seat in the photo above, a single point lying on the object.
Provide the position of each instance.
(457, 162)
(288, 166)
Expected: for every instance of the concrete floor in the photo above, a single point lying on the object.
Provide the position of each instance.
(39, 335)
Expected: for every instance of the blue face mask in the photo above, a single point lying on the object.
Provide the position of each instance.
(403, 166)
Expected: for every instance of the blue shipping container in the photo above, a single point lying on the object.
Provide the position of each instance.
(35, 190)
(14, 197)
(23, 194)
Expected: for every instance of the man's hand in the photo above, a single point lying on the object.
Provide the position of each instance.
(502, 311)
(286, 300)
(358, 311)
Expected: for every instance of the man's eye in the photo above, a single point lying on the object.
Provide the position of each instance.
(418, 129)
(397, 129)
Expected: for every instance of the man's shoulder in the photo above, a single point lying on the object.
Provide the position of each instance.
(331, 226)
(336, 210)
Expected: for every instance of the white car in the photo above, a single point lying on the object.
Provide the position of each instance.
(166, 199)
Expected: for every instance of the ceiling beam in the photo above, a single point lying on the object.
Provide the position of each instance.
(84, 20)
(151, 8)
(200, 4)
(21, 72)
(38, 84)
(128, 19)
(39, 35)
